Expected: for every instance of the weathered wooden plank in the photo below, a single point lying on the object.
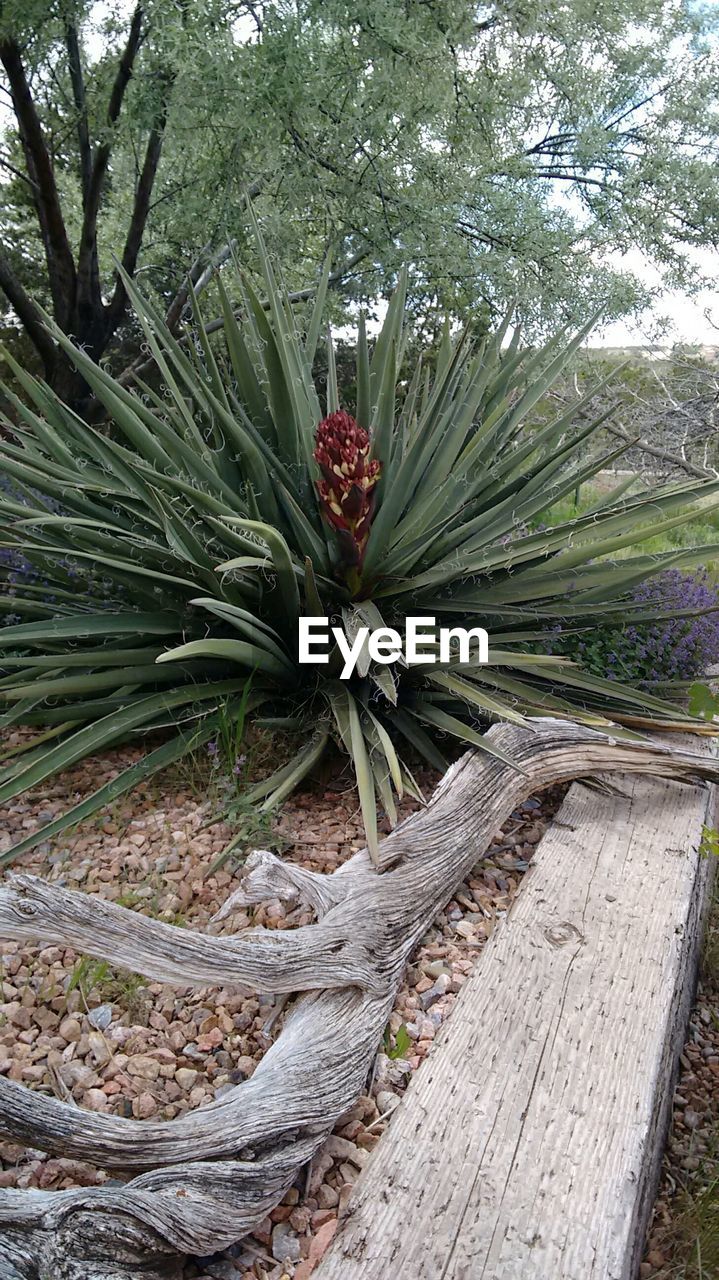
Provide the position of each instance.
(528, 1146)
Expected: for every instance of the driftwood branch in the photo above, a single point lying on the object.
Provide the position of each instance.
(256, 1138)
(261, 959)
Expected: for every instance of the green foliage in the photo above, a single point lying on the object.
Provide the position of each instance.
(96, 980)
(701, 527)
(202, 509)
(87, 975)
(252, 828)
(702, 702)
(709, 844)
(699, 1222)
(227, 748)
(402, 1043)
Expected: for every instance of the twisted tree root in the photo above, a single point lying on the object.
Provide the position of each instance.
(216, 1172)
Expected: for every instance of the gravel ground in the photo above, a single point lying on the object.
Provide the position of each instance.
(683, 1240)
(112, 1042)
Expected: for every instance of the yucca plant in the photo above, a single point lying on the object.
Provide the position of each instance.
(234, 502)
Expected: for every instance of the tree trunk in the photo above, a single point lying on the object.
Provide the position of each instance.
(204, 1180)
(70, 385)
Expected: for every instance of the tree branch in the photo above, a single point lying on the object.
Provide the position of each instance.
(144, 363)
(116, 307)
(17, 173)
(655, 451)
(200, 272)
(78, 92)
(566, 175)
(174, 312)
(89, 294)
(301, 295)
(29, 315)
(551, 144)
(58, 254)
(218, 260)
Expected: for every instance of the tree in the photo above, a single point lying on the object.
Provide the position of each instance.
(73, 277)
(502, 150)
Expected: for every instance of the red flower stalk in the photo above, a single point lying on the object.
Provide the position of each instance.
(347, 487)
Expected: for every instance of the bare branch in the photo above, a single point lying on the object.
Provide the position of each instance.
(196, 1209)
(266, 876)
(218, 260)
(263, 960)
(655, 451)
(176, 308)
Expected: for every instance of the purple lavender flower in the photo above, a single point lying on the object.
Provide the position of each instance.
(671, 648)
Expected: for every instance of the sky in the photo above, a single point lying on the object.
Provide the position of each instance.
(686, 320)
(674, 317)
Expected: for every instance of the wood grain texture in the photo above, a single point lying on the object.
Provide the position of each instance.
(203, 1180)
(528, 1146)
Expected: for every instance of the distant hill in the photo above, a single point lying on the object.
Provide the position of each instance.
(639, 353)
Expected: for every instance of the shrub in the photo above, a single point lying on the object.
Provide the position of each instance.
(224, 511)
(677, 641)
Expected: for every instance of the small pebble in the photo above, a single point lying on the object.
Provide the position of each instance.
(285, 1243)
(101, 1017)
